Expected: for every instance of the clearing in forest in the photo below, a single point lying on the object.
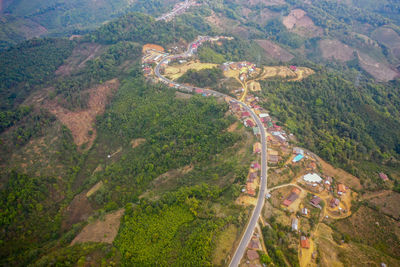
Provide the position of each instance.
(174, 71)
(285, 72)
(101, 230)
(81, 122)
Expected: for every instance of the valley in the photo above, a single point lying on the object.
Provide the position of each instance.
(200, 133)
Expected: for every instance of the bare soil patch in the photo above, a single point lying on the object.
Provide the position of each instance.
(387, 201)
(334, 49)
(373, 229)
(80, 55)
(103, 231)
(340, 175)
(177, 70)
(81, 122)
(299, 22)
(388, 37)
(78, 210)
(137, 142)
(233, 127)
(181, 95)
(266, 2)
(275, 51)
(152, 46)
(380, 71)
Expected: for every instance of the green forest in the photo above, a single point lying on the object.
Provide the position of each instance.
(346, 124)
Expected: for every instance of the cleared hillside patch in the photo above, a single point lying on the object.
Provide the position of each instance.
(103, 231)
(81, 122)
(334, 49)
(275, 51)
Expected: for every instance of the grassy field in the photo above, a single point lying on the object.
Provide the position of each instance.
(175, 71)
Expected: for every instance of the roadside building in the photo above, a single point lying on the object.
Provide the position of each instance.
(255, 166)
(256, 131)
(249, 123)
(257, 148)
(245, 114)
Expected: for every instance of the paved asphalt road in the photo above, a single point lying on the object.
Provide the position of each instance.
(263, 185)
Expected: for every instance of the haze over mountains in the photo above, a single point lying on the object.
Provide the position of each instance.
(131, 141)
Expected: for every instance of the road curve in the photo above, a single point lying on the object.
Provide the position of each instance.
(263, 185)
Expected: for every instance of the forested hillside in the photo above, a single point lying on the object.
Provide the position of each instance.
(93, 147)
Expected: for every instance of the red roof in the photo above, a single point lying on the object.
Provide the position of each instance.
(250, 123)
(293, 67)
(251, 192)
(315, 201)
(255, 165)
(287, 202)
(199, 91)
(245, 114)
(383, 176)
(305, 242)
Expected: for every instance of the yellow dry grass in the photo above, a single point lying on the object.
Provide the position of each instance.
(224, 245)
(94, 189)
(254, 86)
(246, 200)
(285, 72)
(176, 71)
(305, 255)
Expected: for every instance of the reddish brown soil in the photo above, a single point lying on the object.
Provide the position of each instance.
(152, 46)
(101, 230)
(78, 210)
(82, 121)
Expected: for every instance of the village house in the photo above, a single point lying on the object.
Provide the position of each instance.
(255, 166)
(304, 211)
(315, 202)
(341, 188)
(245, 114)
(312, 178)
(334, 203)
(298, 150)
(294, 194)
(304, 242)
(257, 148)
(295, 224)
(249, 123)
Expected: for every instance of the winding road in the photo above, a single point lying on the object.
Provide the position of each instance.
(263, 185)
